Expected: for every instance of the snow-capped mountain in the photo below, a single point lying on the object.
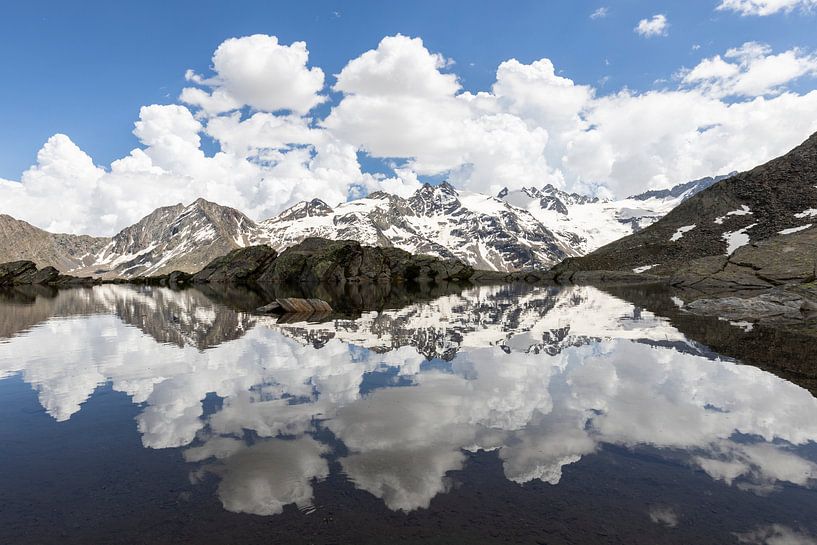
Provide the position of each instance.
(530, 228)
(483, 231)
(591, 222)
(173, 238)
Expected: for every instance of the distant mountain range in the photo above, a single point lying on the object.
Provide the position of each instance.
(530, 228)
(588, 223)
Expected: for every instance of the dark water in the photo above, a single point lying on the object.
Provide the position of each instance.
(495, 415)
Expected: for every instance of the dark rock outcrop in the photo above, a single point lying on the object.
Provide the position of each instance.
(317, 260)
(241, 265)
(18, 273)
(175, 279)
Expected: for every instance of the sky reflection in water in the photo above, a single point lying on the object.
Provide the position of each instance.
(397, 400)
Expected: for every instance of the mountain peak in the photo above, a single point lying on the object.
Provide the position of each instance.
(304, 209)
(439, 199)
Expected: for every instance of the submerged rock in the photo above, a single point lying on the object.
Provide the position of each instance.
(773, 305)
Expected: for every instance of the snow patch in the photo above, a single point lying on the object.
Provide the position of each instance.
(794, 229)
(745, 326)
(808, 213)
(742, 211)
(736, 239)
(680, 232)
(644, 268)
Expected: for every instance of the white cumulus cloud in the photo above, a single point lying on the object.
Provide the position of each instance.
(765, 7)
(258, 72)
(404, 104)
(751, 70)
(657, 25)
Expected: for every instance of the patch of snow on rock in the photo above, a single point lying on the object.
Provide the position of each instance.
(809, 213)
(742, 211)
(745, 326)
(794, 229)
(645, 268)
(736, 239)
(680, 232)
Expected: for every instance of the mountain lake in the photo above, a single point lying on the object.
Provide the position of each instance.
(508, 414)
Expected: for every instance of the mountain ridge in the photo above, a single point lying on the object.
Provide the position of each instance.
(486, 232)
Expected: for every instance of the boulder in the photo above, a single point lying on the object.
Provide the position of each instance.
(26, 273)
(238, 266)
(772, 305)
(15, 271)
(178, 278)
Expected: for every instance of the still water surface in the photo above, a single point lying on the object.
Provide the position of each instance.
(495, 415)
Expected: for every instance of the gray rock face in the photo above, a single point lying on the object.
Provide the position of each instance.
(183, 238)
(778, 261)
(690, 188)
(779, 305)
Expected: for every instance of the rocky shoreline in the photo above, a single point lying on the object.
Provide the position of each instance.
(313, 261)
(754, 285)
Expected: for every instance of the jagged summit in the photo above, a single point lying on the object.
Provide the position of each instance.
(439, 220)
(305, 209)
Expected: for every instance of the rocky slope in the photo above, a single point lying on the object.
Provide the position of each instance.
(20, 240)
(724, 226)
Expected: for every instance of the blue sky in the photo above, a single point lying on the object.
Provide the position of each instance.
(85, 70)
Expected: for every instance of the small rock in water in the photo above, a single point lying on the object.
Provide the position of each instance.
(294, 305)
(270, 308)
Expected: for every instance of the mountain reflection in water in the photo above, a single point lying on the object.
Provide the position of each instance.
(396, 401)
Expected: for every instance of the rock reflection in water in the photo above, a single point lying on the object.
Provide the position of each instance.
(399, 399)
